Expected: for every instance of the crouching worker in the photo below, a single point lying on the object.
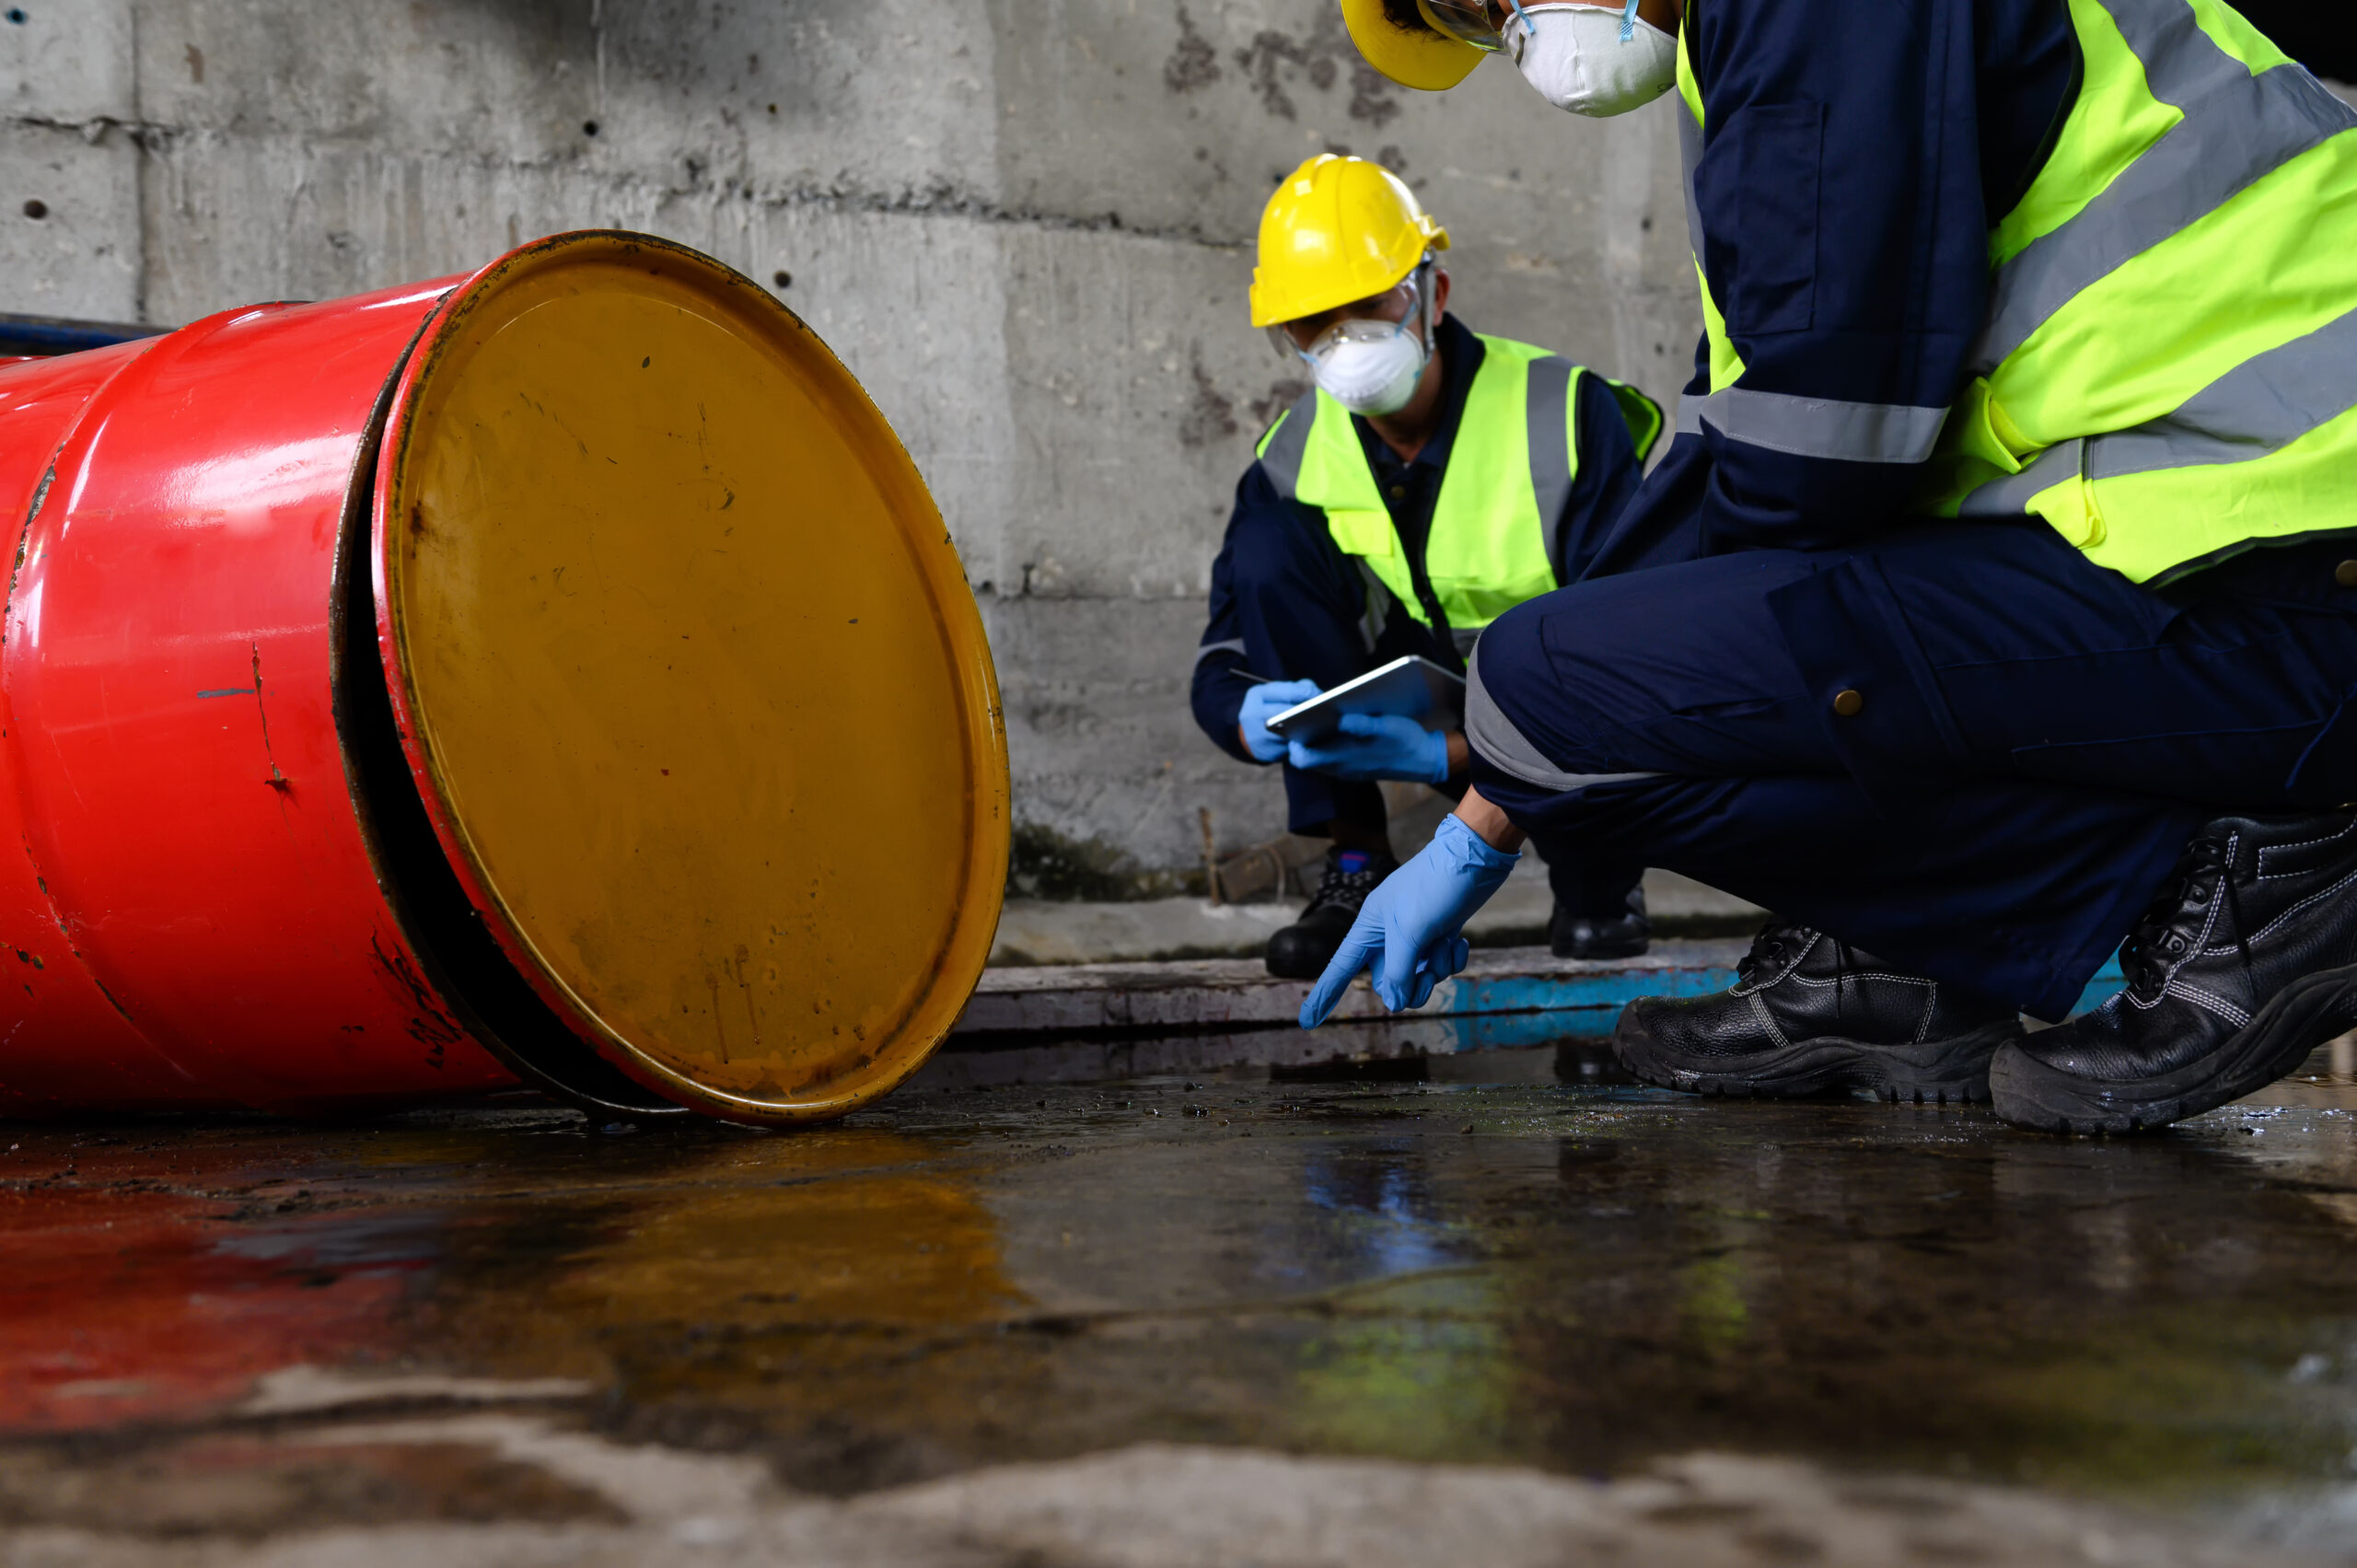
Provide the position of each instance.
(1997, 601)
(1433, 480)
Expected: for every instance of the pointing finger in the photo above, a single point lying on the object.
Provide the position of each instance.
(1349, 958)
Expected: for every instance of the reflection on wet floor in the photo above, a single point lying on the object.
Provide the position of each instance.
(1504, 1256)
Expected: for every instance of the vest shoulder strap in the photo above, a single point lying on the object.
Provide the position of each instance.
(1550, 434)
(1288, 439)
(1509, 350)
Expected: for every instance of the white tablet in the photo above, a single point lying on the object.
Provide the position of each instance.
(1409, 688)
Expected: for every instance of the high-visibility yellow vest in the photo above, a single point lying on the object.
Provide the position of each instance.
(1510, 473)
(2168, 370)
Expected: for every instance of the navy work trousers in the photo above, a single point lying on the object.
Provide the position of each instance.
(1961, 747)
(1301, 607)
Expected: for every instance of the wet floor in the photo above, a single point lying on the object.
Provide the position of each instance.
(1501, 1258)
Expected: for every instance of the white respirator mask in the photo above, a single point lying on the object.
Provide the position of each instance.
(1591, 60)
(1372, 367)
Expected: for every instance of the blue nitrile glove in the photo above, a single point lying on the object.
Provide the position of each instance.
(1408, 928)
(1265, 703)
(1376, 745)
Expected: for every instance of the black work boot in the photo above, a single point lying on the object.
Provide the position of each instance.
(1301, 950)
(1808, 1014)
(2245, 963)
(1624, 935)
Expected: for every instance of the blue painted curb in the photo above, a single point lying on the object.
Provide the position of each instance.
(1510, 1011)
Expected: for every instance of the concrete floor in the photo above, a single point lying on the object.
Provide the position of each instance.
(1050, 931)
(1489, 1309)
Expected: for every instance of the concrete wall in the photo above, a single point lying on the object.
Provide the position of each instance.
(1026, 225)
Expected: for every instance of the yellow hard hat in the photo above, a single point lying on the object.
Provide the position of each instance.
(1423, 57)
(1339, 230)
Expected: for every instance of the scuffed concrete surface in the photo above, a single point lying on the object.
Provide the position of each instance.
(1048, 931)
(1030, 237)
(1151, 1506)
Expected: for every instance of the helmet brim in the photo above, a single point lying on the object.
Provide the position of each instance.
(1420, 58)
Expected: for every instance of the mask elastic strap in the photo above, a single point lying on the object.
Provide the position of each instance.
(1529, 28)
(1627, 21)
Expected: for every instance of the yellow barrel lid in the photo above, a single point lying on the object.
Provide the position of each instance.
(686, 670)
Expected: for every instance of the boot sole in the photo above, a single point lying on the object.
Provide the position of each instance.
(1945, 1071)
(2302, 1015)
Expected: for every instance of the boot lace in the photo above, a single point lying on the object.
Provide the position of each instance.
(2171, 924)
(1346, 889)
(1779, 941)
(1769, 948)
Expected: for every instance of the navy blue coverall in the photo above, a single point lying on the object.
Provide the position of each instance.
(2039, 737)
(1286, 604)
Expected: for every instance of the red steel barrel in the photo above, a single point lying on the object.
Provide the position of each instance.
(557, 675)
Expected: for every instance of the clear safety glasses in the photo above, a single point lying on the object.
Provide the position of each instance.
(1417, 287)
(1481, 23)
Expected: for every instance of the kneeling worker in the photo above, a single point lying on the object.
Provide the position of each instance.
(1432, 481)
(1997, 600)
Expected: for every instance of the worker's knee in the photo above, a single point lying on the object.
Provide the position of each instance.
(1584, 674)
(1525, 704)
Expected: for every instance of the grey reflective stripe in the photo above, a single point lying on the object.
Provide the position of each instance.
(1493, 736)
(2237, 128)
(1548, 400)
(1689, 155)
(1283, 459)
(1689, 414)
(2253, 411)
(1820, 427)
(1233, 645)
(2010, 496)
(1378, 605)
(2260, 406)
